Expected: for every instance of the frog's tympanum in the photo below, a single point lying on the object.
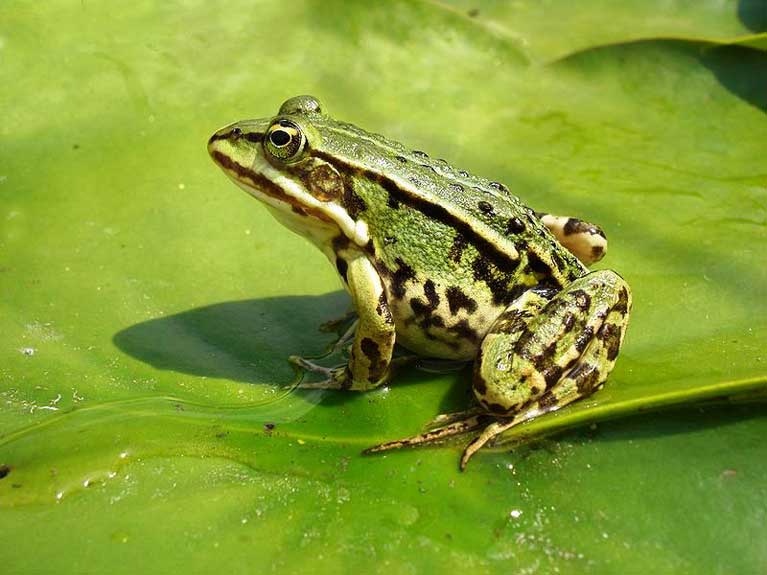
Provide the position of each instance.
(445, 263)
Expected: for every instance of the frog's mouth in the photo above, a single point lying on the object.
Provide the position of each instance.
(240, 158)
(262, 187)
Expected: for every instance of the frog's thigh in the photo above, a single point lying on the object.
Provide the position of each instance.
(371, 352)
(585, 241)
(562, 353)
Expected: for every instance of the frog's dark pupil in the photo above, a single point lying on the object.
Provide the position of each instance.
(279, 138)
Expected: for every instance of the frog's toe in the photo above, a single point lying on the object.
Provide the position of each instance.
(447, 418)
(334, 377)
(488, 434)
(455, 428)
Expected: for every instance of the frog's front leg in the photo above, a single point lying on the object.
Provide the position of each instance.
(533, 363)
(370, 356)
(585, 241)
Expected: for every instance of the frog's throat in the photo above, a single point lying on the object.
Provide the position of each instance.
(269, 185)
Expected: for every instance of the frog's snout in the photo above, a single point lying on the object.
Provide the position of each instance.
(217, 141)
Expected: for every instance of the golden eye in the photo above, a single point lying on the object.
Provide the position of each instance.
(285, 141)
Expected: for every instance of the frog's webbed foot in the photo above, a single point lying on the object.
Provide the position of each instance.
(335, 377)
(432, 436)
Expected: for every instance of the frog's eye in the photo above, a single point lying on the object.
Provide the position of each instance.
(285, 141)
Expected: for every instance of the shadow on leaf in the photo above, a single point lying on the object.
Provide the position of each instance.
(728, 63)
(246, 340)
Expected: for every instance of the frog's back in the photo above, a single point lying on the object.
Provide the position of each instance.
(484, 213)
(453, 249)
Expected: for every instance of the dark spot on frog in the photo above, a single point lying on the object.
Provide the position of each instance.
(4, 471)
(510, 322)
(430, 291)
(353, 203)
(545, 357)
(401, 159)
(399, 277)
(548, 402)
(584, 375)
(514, 226)
(558, 261)
(456, 187)
(389, 240)
(610, 334)
(582, 299)
(463, 173)
(342, 268)
(499, 186)
(392, 202)
(463, 330)
(456, 250)
(420, 154)
(623, 302)
(496, 280)
(373, 353)
(572, 226)
(269, 426)
(428, 167)
(497, 408)
(486, 208)
(457, 300)
(536, 263)
(551, 375)
(382, 309)
(584, 338)
(576, 226)
(425, 311)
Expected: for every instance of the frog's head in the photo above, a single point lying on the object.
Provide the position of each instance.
(272, 160)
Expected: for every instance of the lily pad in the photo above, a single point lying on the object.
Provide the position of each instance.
(147, 419)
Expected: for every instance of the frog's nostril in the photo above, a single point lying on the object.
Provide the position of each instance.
(236, 133)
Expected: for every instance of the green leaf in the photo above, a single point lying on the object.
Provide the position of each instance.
(148, 306)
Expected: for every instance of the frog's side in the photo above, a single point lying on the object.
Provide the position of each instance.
(448, 264)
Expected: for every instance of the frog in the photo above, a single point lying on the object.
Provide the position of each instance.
(446, 264)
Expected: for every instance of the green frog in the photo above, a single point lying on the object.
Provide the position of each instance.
(444, 263)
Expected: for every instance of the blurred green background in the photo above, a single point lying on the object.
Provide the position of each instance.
(147, 306)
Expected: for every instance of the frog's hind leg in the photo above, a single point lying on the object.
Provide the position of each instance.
(530, 367)
(585, 241)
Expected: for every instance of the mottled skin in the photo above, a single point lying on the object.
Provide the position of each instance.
(447, 264)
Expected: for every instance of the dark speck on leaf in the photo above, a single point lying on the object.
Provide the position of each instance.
(4, 471)
(269, 426)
